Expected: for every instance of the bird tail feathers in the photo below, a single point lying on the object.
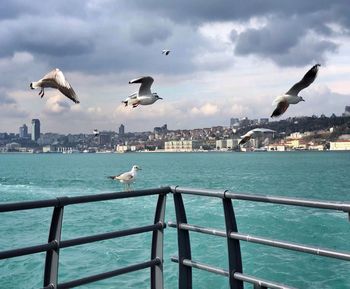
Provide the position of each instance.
(34, 84)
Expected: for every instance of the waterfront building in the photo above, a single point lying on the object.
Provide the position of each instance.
(104, 139)
(182, 146)
(340, 145)
(23, 131)
(35, 129)
(121, 130)
(226, 144)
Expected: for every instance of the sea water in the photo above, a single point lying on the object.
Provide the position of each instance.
(317, 175)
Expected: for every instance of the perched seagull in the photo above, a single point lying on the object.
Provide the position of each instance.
(55, 79)
(144, 96)
(250, 133)
(166, 52)
(96, 132)
(291, 96)
(128, 177)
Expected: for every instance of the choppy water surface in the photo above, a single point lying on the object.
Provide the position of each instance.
(318, 175)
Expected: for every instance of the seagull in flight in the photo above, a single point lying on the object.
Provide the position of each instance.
(55, 79)
(166, 51)
(96, 132)
(144, 96)
(245, 138)
(291, 96)
(127, 178)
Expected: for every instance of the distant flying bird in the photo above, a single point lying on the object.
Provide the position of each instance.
(96, 132)
(144, 96)
(249, 134)
(128, 177)
(291, 96)
(55, 79)
(166, 52)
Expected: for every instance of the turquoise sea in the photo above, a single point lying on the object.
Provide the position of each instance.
(317, 175)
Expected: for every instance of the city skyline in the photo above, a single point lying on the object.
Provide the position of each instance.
(224, 62)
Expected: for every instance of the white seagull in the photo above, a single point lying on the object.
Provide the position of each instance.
(166, 51)
(55, 79)
(128, 177)
(144, 96)
(291, 96)
(249, 134)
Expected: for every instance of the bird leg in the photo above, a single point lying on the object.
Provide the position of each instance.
(41, 93)
(135, 104)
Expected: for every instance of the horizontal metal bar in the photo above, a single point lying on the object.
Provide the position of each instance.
(339, 206)
(110, 235)
(236, 275)
(78, 241)
(109, 274)
(292, 246)
(198, 229)
(28, 250)
(264, 241)
(63, 201)
(201, 266)
(260, 282)
(199, 192)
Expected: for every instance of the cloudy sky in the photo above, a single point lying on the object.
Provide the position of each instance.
(229, 59)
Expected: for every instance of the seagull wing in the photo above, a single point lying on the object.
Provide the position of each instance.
(308, 78)
(146, 83)
(244, 140)
(125, 176)
(262, 130)
(64, 86)
(280, 109)
(49, 79)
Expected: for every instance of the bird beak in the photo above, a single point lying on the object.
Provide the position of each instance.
(160, 98)
(31, 85)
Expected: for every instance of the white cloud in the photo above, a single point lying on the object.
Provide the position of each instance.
(206, 109)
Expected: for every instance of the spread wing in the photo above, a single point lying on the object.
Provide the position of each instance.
(280, 109)
(244, 139)
(64, 86)
(308, 78)
(146, 83)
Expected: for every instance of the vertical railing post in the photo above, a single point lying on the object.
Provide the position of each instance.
(157, 244)
(233, 246)
(52, 256)
(183, 241)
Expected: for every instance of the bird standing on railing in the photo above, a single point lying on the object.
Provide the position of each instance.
(127, 178)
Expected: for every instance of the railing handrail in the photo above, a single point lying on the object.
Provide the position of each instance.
(235, 274)
(65, 201)
(303, 202)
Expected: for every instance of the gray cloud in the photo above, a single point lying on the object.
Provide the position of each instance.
(286, 43)
(4, 99)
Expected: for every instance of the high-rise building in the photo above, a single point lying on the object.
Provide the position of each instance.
(35, 129)
(121, 130)
(347, 111)
(234, 122)
(23, 131)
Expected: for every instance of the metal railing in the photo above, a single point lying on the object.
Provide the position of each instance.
(234, 272)
(54, 244)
